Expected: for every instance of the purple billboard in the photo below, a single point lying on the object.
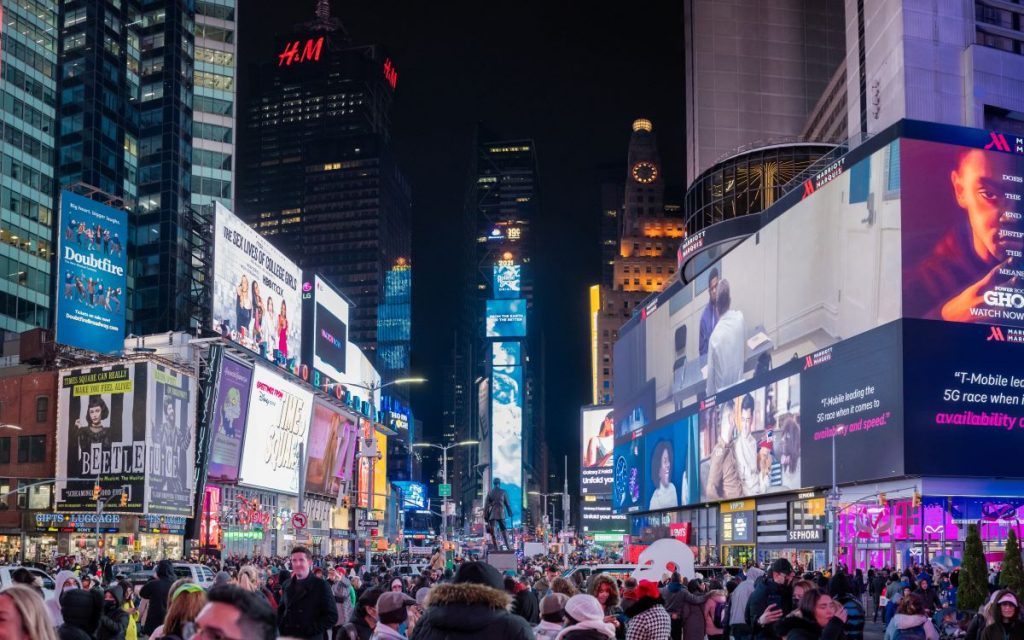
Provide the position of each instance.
(229, 419)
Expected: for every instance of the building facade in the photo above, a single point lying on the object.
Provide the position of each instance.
(28, 86)
(321, 181)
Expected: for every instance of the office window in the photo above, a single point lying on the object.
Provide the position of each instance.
(42, 409)
(5, 450)
(31, 448)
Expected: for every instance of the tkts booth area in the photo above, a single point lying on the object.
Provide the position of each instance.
(869, 333)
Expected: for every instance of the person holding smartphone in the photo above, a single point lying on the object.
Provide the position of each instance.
(818, 617)
(771, 600)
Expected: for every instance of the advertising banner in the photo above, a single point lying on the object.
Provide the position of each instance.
(257, 297)
(414, 494)
(598, 441)
(507, 435)
(506, 318)
(507, 280)
(963, 234)
(278, 422)
(380, 467)
(506, 354)
(92, 269)
(170, 437)
(101, 436)
(627, 481)
(232, 408)
(598, 517)
(670, 468)
(210, 533)
(330, 326)
(332, 436)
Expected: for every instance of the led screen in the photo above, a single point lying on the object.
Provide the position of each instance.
(330, 325)
(598, 442)
(414, 494)
(507, 280)
(506, 353)
(506, 318)
(231, 410)
(507, 435)
(597, 516)
(92, 271)
(257, 297)
(332, 440)
(279, 415)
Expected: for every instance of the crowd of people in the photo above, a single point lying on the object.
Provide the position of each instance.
(309, 597)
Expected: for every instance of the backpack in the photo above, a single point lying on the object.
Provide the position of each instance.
(721, 615)
(913, 633)
(349, 629)
(342, 592)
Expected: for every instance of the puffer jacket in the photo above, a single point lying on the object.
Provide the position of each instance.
(467, 610)
(113, 621)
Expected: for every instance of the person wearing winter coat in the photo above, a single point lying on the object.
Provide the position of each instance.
(910, 615)
(584, 618)
(524, 601)
(740, 597)
(473, 605)
(818, 617)
(552, 616)
(648, 619)
(1004, 619)
(113, 618)
(606, 590)
(929, 596)
(712, 631)
(772, 595)
(80, 610)
(843, 591)
(65, 581)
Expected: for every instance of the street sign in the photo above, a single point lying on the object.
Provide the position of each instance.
(299, 520)
(445, 491)
(368, 524)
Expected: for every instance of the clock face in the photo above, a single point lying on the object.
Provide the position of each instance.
(645, 172)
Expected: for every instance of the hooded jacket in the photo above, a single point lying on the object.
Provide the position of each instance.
(469, 610)
(1001, 631)
(80, 609)
(157, 592)
(741, 596)
(53, 604)
(795, 627)
(766, 588)
(904, 621)
(525, 604)
(113, 621)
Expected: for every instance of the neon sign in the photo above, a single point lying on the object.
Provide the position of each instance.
(301, 52)
(390, 73)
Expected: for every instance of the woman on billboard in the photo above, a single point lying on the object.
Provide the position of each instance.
(601, 446)
(665, 495)
(243, 307)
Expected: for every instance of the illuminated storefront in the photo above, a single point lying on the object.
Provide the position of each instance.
(121, 537)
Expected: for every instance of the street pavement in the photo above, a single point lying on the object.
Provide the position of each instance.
(874, 630)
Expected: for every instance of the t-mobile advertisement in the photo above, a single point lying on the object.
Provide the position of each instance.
(851, 396)
(963, 234)
(965, 389)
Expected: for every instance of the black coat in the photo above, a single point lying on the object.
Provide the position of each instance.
(306, 609)
(759, 602)
(526, 605)
(470, 611)
(797, 628)
(113, 621)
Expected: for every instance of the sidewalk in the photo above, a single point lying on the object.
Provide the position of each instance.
(873, 630)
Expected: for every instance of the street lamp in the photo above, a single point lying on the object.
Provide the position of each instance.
(557, 494)
(832, 501)
(444, 477)
(373, 388)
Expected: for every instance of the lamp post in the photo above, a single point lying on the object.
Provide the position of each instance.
(832, 503)
(373, 388)
(547, 529)
(444, 477)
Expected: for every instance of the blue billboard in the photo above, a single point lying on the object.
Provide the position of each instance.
(506, 353)
(414, 494)
(507, 280)
(506, 318)
(92, 267)
(507, 435)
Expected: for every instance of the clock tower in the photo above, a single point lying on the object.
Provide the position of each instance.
(645, 187)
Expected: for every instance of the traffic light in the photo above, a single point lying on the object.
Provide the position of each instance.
(96, 492)
(882, 500)
(916, 500)
(346, 502)
(124, 498)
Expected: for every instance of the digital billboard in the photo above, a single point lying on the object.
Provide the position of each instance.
(129, 428)
(597, 516)
(627, 478)
(330, 327)
(963, 234)
(380, 470)
(598, 448)
(506, 318)
(279, 415)
(332, 439)
(506, 353)
(414, 494)
(231, 410)
(507, 280)
(257, 297)
(507, 435)
(92, 267)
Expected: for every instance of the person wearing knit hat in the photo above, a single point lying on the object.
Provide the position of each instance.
(474, 605)
(552, 616)
(648, 619)
(584, 617)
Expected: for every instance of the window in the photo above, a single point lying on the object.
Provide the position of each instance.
(31, 448)
(42, 409)
(5, 450)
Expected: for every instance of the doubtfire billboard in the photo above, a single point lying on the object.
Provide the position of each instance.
(129, 428)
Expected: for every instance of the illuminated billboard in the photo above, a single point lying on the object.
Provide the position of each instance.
(598, 440)
(279, 416)
(332, 444)
(231, 410)
(414, 494)
(257, 301)
(507, 435)
(380, 469)
(507, 280)
(506, 353)
(506, 318)
(92, 269)
(129, 428)
(330, 330)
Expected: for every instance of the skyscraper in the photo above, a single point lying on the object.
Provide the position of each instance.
(319, 177)
(215, 105)
(28, 86)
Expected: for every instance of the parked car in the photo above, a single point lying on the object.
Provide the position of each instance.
(197, 573)
(49, 586)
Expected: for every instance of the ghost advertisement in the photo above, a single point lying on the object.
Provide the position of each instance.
(257, 298)
(101, 437)
(507, 435)
(963, 239)
(279, 413)
(170, 480)
(229, 421)
(92, 267)
(750, 443)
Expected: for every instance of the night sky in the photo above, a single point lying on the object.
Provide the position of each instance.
(572, 76)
